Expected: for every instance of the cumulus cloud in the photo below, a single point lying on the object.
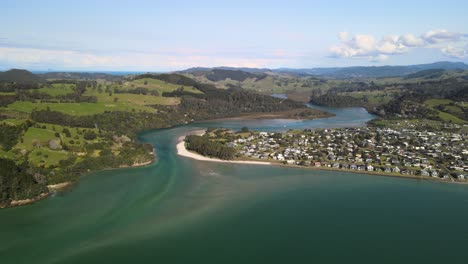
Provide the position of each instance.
(367, 46)
(410, 40)
(456, 52)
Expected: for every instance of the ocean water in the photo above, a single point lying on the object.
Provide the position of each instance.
(179, 210)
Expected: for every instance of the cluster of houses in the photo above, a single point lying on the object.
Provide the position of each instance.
(379, 150)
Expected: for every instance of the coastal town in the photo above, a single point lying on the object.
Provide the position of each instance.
(383, 151)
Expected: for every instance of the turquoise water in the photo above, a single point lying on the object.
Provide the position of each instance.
(184, 211)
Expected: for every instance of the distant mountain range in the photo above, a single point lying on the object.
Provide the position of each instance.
(82, 76)
(337, 72)
(216, 74)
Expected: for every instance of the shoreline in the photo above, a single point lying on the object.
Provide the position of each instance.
(59, 187)
(274, 115)
(184, 152)
(16, 203)
(65, 185)
(51, 189)
(137, 164)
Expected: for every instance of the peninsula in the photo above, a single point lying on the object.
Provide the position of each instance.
(388, 152)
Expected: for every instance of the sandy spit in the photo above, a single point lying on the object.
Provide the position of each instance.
(182, 151)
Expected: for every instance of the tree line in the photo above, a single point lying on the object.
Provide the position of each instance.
(207, 147)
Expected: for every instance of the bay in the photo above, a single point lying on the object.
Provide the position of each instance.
(179, 210)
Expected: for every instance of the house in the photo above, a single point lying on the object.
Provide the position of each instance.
(280, 157)
(317, 164)
(424, 173)
(396, 169)
(370, 167)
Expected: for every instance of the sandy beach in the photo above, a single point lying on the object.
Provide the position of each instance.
(59, 186)
(182, 151)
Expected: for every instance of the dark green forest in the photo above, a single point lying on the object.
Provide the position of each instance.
(207, 147)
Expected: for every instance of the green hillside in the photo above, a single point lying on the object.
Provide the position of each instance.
(57, 130)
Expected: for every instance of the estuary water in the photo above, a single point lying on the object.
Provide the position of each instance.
(179, 210)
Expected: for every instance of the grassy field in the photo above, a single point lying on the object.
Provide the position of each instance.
(12, 121)
(7, 155)
(36, 136)
(448, 117)
(436, 102)
(373, 97)
(78, 108)
(157, 85)
(130, 100)
(454, 109)
(57, 89)
(36, 141)
(33, 144)
(45, 132)
(46, 157)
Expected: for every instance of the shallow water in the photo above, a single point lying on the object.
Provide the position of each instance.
(180, 210)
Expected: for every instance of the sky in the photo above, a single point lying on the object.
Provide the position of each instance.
(173, 35)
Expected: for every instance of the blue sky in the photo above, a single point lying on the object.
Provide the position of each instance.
(171, 35)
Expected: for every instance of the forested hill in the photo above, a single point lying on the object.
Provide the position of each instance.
(431, 94)
(217, 103)
(222, 73)
(378, 71)
(216, 75)
(20, 76)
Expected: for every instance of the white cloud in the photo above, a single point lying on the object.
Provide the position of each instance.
(455, 52)
(366, 46)
(410, 40)
(441, 35)
(358, 45)
(391, 45)
(37, 58)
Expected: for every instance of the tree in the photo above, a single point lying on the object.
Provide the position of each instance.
(89, 135)
(66, 132)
